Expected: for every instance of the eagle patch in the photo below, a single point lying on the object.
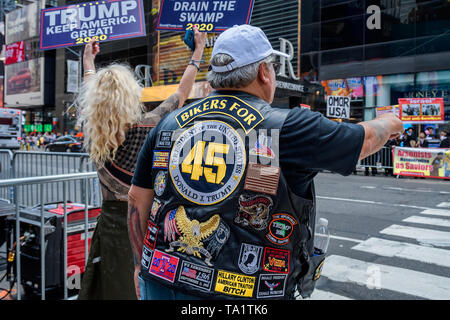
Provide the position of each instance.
(190, 236)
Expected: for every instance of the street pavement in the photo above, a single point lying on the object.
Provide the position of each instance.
(390, 238)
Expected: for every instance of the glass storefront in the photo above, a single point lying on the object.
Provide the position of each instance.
(371, 92)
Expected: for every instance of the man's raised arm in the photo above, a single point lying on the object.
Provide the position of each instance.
(378, 132)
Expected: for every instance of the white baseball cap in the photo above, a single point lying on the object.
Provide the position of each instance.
(246, 44)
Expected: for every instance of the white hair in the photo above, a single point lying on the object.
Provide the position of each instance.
(237, 78)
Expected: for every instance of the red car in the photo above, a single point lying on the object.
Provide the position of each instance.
(21, 79)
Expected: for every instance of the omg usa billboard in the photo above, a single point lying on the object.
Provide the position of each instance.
(78, 24)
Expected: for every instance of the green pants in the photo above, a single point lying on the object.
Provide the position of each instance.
(110, 268)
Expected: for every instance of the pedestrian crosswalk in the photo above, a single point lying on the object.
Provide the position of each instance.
(423, 238)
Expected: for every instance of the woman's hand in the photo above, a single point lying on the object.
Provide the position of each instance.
(90, 52)
(200, 40)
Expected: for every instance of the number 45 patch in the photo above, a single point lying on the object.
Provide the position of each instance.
(205, 171)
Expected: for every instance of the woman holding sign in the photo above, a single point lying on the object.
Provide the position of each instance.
(115, 127)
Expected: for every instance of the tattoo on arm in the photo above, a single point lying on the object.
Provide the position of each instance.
(381, 132)
(135, 233)
(167, 106)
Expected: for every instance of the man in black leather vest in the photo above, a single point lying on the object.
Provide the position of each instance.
(222, 203)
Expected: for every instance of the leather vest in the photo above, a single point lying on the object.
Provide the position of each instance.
(224, 223)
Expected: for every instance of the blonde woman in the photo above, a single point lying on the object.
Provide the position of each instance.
(115, 128)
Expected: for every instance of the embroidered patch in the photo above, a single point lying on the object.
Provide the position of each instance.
(146, 257)
(150, 237)
(164, 140)
(207, 162)
(160, 159)
(249, 258)
(246, 115)
(196, 276)
(271, 286)
(164, 266)
(160, 183)
(155, 208)
(281, 228)
(254, 211)
(318, 271)
(276, 260)
(262, 178)
(189, 236)
(263, 147)
(235, 284)
(218, 239)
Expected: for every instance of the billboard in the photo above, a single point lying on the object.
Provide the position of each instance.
(22, 23)
(15, 52)
(350, 87)
(418, 110)
(77, 24)
(24, 83)
(208, 15)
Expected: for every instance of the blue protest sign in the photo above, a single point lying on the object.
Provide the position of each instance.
(208, 15)
(99, 20)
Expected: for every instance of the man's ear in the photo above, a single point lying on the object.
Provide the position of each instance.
(264, 73)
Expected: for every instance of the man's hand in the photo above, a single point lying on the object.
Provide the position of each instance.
(137, 269)
(396, 122)
(378, 132)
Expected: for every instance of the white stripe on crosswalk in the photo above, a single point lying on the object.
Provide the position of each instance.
(443, 205)
(343, 269)
(436, 212)
(326, 295)
(388, 248)
(429, 221)
(424, 236)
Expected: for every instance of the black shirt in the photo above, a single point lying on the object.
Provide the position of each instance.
(309, 142)
(445, 143)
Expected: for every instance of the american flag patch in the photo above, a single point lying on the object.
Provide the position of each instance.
(262, 178)
(170, 226)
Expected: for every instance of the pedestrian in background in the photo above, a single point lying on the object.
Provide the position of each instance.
(409, 138)
(445, 142)
(115, 127)
(422, 142)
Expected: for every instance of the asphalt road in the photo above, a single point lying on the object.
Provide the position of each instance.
(390, 238)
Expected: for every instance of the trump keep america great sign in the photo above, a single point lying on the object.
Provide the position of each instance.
(97, 20)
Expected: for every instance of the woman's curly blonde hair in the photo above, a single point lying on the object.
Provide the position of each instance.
(109, 103)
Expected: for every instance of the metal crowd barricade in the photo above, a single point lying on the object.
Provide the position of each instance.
(18, 183)
(380, 160)
(6, 172)
(33, 164)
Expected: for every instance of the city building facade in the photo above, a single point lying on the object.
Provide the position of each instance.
(373, 51)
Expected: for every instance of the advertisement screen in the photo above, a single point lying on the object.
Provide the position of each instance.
(24, 83)
(21, 24)
(15, 52)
